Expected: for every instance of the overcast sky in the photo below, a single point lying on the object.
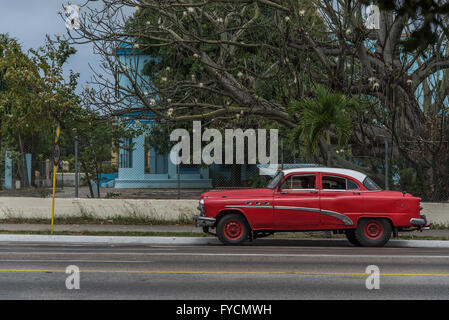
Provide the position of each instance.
(30, 20)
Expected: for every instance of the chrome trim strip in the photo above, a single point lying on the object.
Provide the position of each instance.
(329, 190)
(286, 190)
(297, 208)
(238, 206)
(345, 219)
(340, 190)
(354, 190)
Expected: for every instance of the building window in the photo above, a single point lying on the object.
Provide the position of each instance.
(126, 156)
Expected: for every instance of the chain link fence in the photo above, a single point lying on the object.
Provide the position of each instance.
(139, 174)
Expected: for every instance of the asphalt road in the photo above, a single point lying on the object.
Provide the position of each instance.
(256, 271)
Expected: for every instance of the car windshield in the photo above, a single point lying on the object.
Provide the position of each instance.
(370, 184)
(275, 181)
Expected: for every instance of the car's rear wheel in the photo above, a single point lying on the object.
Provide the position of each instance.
(350, 235)
(373, 232)
(232, 229)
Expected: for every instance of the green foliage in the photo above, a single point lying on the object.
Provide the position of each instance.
(430, 13)
(112, 195)
(221, 181)
(261, 64)
(408, 182)
(159, 136)
(98, 139)
(35, 97)
(258, 181)
(317, 116)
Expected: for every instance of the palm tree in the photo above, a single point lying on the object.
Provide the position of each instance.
(319, 116)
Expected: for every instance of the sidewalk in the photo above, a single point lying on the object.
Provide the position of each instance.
(100, 228)
(190, 235)
(11, 227)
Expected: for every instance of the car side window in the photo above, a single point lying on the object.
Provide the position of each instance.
(299, 182)
(338, 183)
(352, 185)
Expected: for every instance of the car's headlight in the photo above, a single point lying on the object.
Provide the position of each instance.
(202, 202)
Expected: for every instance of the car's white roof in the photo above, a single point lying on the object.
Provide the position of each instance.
(351, 173)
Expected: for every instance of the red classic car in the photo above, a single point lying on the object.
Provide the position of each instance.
(311, 199)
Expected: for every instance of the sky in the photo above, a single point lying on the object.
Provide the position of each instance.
(29, 21)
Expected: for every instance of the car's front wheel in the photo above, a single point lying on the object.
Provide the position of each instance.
(373, 232)
(232, 229)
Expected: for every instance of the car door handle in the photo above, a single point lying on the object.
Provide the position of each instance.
(314, 191)
(356, 192)
(284, 192)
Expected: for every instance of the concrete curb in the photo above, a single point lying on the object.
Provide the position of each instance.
(418, 243)
(106, 239)
(208, 241)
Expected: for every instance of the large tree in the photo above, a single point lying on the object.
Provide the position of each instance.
(35, 97)
(217, 59)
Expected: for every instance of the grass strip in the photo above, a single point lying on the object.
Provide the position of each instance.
(106, 221)
(108, 233)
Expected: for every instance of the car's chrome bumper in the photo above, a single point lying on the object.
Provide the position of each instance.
(201, 221)
(419, 222)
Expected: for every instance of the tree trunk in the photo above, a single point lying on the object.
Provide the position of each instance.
(98, 173)
(24, 169)
(88, 179)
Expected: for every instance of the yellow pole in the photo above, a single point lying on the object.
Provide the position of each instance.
(55, 168)
(53, 200)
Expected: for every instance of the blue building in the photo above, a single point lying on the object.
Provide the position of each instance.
(143, 167)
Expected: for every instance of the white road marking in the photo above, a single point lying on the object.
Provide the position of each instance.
(306, 255)
(3, 250)
(84, 261)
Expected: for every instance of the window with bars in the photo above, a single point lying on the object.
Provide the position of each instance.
(126, 156)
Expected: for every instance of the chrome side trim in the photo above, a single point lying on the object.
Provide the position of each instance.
(341, 190)
(345, 219)
(286, 190)
(297, 208)
(354, 190)
(252, 207)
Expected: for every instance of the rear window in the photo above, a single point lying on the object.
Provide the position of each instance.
(370, 184)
